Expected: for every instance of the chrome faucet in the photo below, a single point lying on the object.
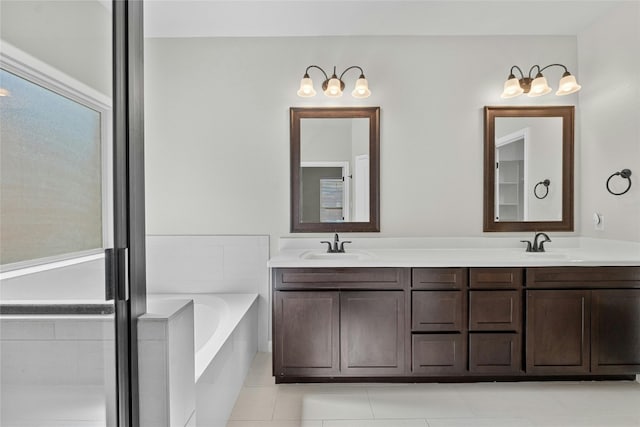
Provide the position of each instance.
(537, 246)
(337, 247)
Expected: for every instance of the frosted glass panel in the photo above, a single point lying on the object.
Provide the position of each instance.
(50, 173)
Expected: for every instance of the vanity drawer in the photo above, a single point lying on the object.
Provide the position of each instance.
(434, 311)
(495, 353)
(438, 354)
(495, 311)
(495, 278)
(340, 278)
(438, 278)
(583, 277)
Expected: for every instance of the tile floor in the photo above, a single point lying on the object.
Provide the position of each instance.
(262, 403)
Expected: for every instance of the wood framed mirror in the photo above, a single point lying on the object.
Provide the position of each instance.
(528, 168)
(335, 169)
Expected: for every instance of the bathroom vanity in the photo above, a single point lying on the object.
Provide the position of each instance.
(339, 321)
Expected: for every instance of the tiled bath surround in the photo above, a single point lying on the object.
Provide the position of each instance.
(212, 264)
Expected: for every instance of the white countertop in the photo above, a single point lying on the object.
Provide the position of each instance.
(455, 252)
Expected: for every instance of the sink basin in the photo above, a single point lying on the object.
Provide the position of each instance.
(546, 255)
(317, 255)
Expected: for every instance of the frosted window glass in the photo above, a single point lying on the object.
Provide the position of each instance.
(50, 173)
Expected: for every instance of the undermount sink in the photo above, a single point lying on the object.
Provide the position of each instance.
(546, 255)
(318, 255)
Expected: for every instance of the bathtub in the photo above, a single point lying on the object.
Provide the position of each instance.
(224, 343)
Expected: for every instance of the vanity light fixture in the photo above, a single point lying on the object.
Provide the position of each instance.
(333, 86)
(538, 86)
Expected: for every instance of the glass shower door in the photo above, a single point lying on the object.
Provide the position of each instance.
(57, 316)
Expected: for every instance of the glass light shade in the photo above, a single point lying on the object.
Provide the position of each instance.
(568, 85)
(4, 92)
(362, 89)
(512, 88)
(539, 86)
(306, 88)
(333, 88)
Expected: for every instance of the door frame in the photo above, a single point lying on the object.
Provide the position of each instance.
(129, 280)
(346, 193)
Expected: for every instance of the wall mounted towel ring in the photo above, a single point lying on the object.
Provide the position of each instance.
(546, 183)
(624, 173)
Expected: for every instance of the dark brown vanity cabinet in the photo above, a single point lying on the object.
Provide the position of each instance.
(458, 324)
(583, 320)
(438, 321)
(495, 320)
(340, 322)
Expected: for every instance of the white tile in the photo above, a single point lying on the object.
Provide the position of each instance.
(260, 373)
(423, 401)
(376, 423)
(182, 387)
(26, 329)
(479, 422)
(254, 404)
(245, 261)
(600, 421)
(152, 329)
(279, 423)
(182, 263)
(154, 395)
(329, 406)
(85, 329)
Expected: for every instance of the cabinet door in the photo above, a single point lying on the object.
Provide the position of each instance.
(558, 332)
(438, 354)
(435, 311)
(495, 353)
(306, 333)
(494, 311)
(615, 331)
(372, 333)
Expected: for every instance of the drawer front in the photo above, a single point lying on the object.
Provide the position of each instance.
(495, 311)
(439, 278)
(341, 278)
(434, 311)
(495, 353)
(438, 354)
(495, 278)
(583, 277)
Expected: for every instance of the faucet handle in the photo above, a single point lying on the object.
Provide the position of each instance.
(529, 248)
(342, 245)
(541, 245)
(329, 246)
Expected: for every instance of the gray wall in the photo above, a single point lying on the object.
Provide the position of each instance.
(609, 52)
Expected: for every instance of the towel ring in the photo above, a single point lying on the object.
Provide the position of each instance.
(546, 183)
(624, 173)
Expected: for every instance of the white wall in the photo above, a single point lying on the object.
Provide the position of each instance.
(217, 125)
(72, 36)
(609, 69)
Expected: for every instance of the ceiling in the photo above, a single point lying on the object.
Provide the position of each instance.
(278, 18)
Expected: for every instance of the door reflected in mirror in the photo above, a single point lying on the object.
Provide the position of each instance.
(528, 168)
(335, 164)
(334, 170)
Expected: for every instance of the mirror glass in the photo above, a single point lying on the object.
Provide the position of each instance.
(334, 169)
(528, 168)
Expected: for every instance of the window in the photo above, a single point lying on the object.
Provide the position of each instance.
(52, 164)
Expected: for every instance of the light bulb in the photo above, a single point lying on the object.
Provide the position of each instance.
(567, 85)
(306, 87)
(512, 88)
(539, 86)
(362, 88)
(333, 88)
